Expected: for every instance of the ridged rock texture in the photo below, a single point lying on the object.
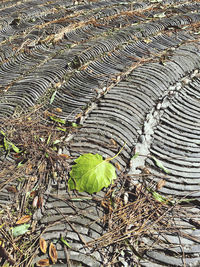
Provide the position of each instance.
(128, 71)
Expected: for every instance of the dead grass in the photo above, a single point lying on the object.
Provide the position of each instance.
(26, 175)
(130, 223)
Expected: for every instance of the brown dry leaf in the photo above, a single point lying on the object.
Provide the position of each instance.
(16, 155)
(160, 184)
(79, 115)
(11, 189)
(33, 193)
(43, 262)
(40, 202)
(42, 167)
(58, 110)
(35, 202)
(29, 168)
(84, 67)
(53, 253)
(47, 114)
(113, 142)
(118, 166)
(24, 219)
(58, 85)
(43, 245)
(147, 40)
(65, 156)
(138, 188)
(144, 170)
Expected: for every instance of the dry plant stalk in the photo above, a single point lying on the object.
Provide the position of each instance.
(143, 217)
(34, 135)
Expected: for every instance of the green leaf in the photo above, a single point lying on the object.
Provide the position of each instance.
(56, 141)
(74, 124)
(160, 165)
(61, 129)
(57, 119)
(91, 173)
(136, 155)
(16, 149)
(6, 144)
(2, 132)
(53, 97)
(1, 226)
(49, 138)
(65, 242)
(20, 230)
(6, 264)
(20, 164)
(159, 197)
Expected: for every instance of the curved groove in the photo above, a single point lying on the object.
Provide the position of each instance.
(131, 69)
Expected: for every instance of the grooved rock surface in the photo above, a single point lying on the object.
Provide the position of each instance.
(128, 71)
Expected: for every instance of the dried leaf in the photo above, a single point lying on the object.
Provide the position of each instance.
(113, 142)
(64, 156)
(144, 170)
(58, 84)
(35, 202)
(40, 202)
(43, 262)
(53, 253)
(43, 245)
(11, 189)
(160, 184)
(118, 166)
(58, 110)
(79, 115)
(33, 193)
(24, 219)
(16, 155)
(147, 40)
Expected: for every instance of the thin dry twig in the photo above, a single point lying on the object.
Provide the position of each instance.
(143, 217)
